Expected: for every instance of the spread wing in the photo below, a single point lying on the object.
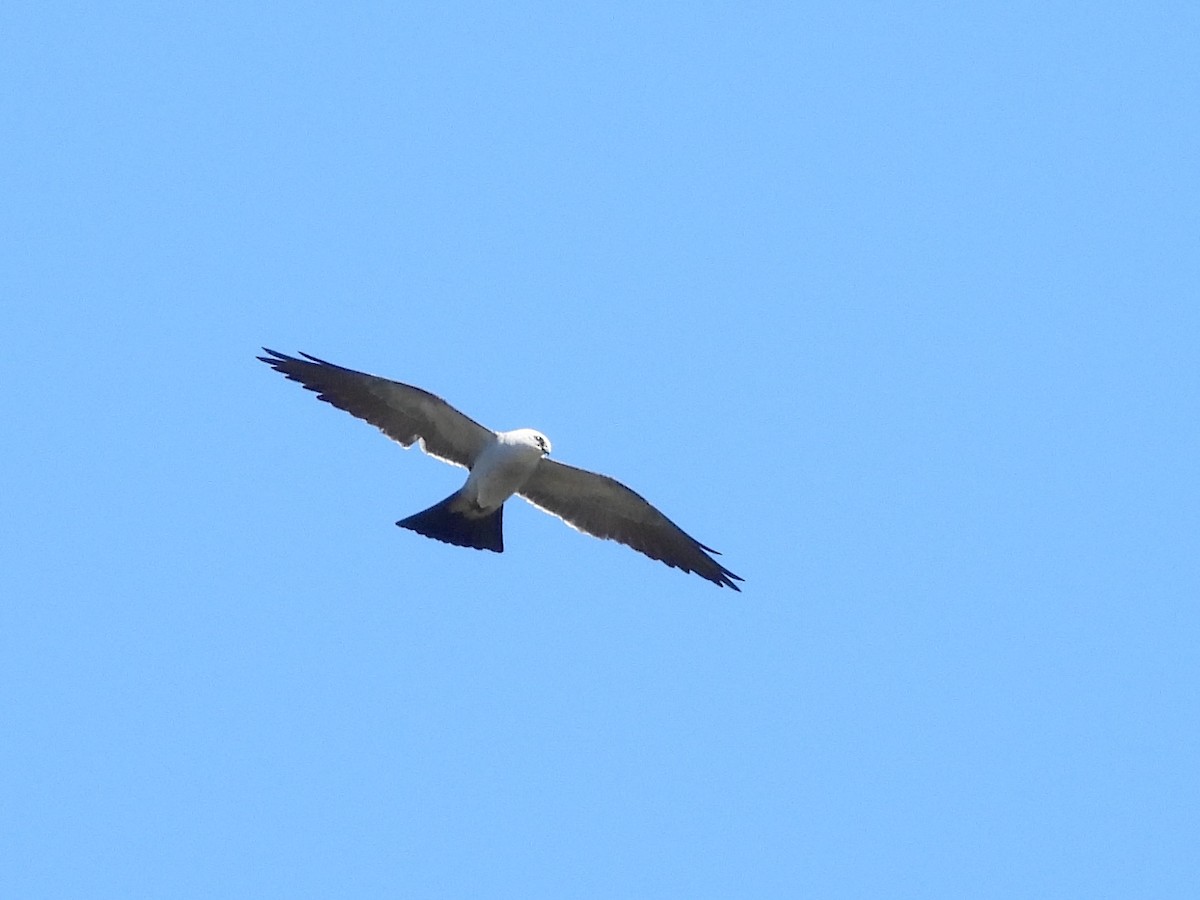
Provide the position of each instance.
(402, 412)
(605, 508)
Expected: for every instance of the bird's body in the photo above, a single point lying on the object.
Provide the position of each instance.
(473, 516)
(500, 464)
(504, 466)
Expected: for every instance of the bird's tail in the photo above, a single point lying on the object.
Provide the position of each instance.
(460, 522)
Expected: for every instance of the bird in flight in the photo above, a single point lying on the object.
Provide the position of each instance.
(500, 464)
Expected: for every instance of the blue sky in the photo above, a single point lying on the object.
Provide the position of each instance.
(894, 305)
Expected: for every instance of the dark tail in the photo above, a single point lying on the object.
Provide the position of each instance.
(459, 522)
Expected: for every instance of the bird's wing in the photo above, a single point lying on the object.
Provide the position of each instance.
(402, 412)
(605, 508)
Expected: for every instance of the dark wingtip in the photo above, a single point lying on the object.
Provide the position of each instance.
(317, 359)
(723, 578)
(274, 357)
(728, 579)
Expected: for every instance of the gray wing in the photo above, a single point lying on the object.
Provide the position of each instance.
(402, 412)
(605, 508)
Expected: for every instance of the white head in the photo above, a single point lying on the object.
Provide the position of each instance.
(529, 438)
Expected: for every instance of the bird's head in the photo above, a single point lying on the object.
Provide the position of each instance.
(526, 437)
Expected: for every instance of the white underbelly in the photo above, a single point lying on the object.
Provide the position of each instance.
(499, 472)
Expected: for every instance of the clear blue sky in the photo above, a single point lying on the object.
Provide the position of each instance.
(896, 306)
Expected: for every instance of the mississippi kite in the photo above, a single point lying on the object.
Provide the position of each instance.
(500, 464)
